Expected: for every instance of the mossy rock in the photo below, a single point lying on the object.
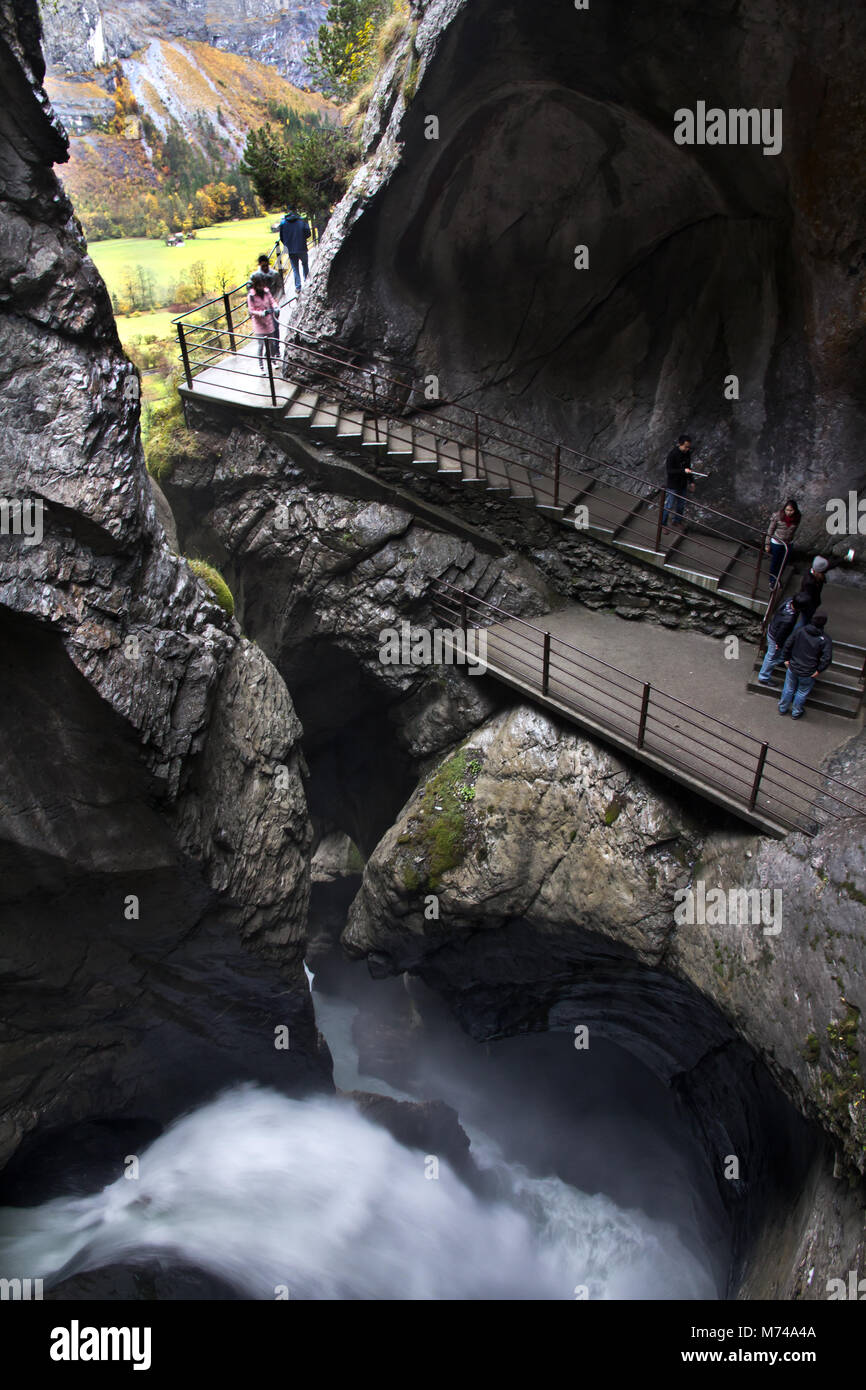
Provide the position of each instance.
(215, 582)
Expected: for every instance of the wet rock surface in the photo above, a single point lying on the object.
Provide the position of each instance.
(153, 815)
(453, 253)
(531, 881)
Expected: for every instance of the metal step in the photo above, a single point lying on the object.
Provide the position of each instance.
(326, 418)
(351, 424)
(828, 695)
(450, 462)
(425, 453)
(304, 406)
(400, 444)
(473, 470)
(373, 438)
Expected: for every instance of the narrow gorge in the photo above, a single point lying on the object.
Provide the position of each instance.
(349, 923)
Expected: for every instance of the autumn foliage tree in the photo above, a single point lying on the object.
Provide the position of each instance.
(340, 57)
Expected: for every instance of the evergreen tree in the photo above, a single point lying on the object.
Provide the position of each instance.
(341, 57)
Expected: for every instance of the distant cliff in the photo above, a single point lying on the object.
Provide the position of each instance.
(79, 37)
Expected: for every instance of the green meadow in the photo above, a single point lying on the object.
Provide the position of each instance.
(229, 246)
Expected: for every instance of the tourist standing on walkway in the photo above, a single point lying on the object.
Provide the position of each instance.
(272, 278)
(780, 533)
(678, 475)
(263, 313)
(813, 584)
(778, 632)
(807, 653)
(294, 234)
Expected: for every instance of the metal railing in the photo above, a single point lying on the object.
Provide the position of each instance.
(503, 454)
(746, 772)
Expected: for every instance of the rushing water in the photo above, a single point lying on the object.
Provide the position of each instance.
(309, 1199)
(308, 1196)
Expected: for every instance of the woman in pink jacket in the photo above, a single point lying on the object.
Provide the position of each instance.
(263, 313)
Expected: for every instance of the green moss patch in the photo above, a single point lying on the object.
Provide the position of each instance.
(215, 582)
(444, 825)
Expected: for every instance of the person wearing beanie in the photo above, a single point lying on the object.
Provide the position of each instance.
(807, 652)
(813, 584)
(778, 633)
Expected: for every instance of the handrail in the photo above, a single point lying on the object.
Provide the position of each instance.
(536, 463)
(759, 791)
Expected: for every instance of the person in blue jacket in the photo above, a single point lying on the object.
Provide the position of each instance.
(294, 234)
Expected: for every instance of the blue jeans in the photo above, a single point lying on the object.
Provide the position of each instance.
(771, 660)
(796, 688)
(674, 502)
(778, 555)
(301, 259)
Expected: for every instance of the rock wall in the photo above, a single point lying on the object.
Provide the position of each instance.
(552, 128)
(553, 866)
(153, 823)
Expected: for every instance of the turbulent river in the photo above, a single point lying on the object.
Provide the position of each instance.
(308, 1199)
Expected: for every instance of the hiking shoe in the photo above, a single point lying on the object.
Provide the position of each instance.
(784, 711)
(795, 715)
(765, 681)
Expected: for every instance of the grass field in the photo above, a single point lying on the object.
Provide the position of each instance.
(235, 244)
(132, 326)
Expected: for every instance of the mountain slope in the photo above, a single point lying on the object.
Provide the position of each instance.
(79, 37)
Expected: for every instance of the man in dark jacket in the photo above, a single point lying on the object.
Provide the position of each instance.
(807, 652)
(813, 584)
(677, 479)
(780, 629)
(294, 234)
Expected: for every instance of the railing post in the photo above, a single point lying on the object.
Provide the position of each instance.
(228, 306)
(556, 476)
(545, 665)
(658, 544)
(477, 447)
(184, 354)
(757, 573)
(644, 706)
(762, 758)
(375, 405)
(270, 371)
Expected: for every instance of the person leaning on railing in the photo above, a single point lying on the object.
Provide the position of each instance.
(780, 533)
(813, 583)
(264, 314)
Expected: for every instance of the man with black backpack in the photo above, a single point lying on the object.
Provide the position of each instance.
(807, 653)
(780, 629)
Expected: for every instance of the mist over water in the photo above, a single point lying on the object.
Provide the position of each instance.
(311, 1200)
(265, 1191)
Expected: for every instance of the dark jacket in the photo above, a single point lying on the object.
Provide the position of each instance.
(294, 233)
(808, 650)
(782, 624)
(676, 464)
(812, 587)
